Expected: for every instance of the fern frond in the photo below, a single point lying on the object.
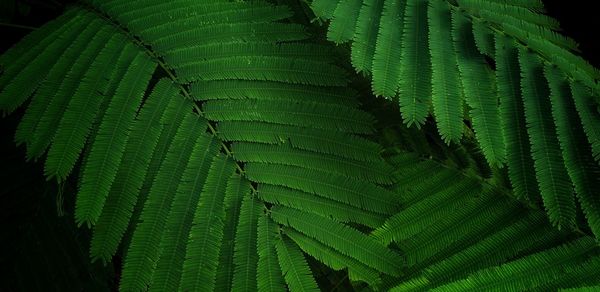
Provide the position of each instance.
(484, 38)
(109, 145)
(517, 275)
(386, 60)
(268, 274)
(479, 90)
(356, 270)
(414, 81)
(551, 174)
(590, 118)
(344, 20)
(179, 221)
(321, 116)
(584, 173)
(261, 90)
(22, 78)
(518, 150)
(237, 188)
(295, 270)
(376, 172)
(144, 138)
(326, 8)
(342, 238)
(245, 257)
(365, 35)
(317, 140)
(54, 92)
(446, 89)
(144, 249)
(202, 252)
(349, 191)
(79, 115)
(269, 68)
(318, 205)
(507, 9)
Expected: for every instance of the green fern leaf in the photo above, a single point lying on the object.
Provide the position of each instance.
(551, 174)
(446, 88)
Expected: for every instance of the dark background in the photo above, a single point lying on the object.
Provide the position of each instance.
(28, 203)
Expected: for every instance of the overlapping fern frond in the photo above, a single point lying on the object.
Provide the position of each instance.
(219, 149)
(498, 67)
(472, 235)
(195, 148)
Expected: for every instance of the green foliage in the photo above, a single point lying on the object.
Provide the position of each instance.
(178, 135)
(502, 101)
(220, 146)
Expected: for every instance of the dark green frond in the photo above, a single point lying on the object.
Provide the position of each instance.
(123, 195)
(318, 205)
(295, 270)
(552, 178)
(144, 248)
(356, 193)
(356, 270)
(109, 145)
(202, 252)
(518, 150)
(268, 274)
(245, 257)
(343, 21)
(589, 115)
(584, 173)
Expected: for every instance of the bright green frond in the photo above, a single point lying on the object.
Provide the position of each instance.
(529, 272)
(508, 9)
(589, 115)
(414, 81)
(344, 239)
(270, 68)
(144, 249)
(446, 87)
(484, 38)
(479, 90)
(386, 60)
(237, 189)
(262, 90)
(376, 172)
(59, 84)
(324, 8)
(365, 35)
